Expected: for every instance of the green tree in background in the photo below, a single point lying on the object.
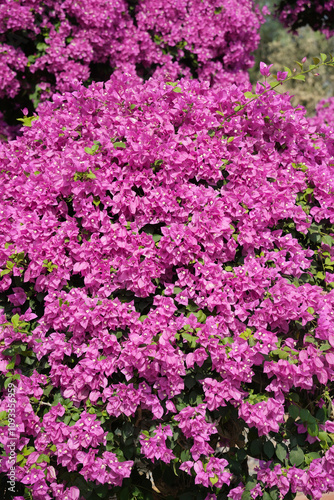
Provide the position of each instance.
(281, 48)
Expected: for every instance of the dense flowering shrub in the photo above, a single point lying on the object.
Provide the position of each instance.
(167, 281)
(51, 45)
(324, 116)
(319, 14)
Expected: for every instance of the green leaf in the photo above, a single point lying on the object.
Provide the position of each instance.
(313, 429)
(27, 120)
(323, 57)
(178, 90)
(41, 46)
(281, 354)
(288, 70)
(27, 450)
(201, 317)
(214, 480)
(309, 457)
(323, 436)
(119, 145)
(14, 349)
(295, 397)
(315, 237)
(296, 456)
(325, 347)
(293, 411)
(316, 60)
(328, 240)
(90, 175)
(47, 390)
(230, 139)
(185, 455)
(306, 416)
(191, 339)
(5, 271)
(274, 493)
(8, 381)
(281, 451)
(15, 320)
(299, 77)
(227, 340)
(269, 449)
(321, 415)
(250, 95)
(255, 447)
(43, 458)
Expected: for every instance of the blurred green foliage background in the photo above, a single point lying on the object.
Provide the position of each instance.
(281, 48)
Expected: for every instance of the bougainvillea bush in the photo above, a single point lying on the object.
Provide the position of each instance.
(319, 14)
(167, 282)
(51, 45)
(324, 116)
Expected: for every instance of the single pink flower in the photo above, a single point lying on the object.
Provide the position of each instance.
(264, 69)
(19, 297)
(281, 75)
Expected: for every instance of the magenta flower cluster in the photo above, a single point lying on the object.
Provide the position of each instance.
(51, 46)
(319, 14)
(163, 261)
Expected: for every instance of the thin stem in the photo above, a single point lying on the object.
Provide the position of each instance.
(292, 77)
